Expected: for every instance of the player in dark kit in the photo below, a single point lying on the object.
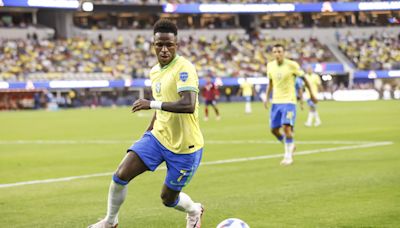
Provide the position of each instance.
(210, 94)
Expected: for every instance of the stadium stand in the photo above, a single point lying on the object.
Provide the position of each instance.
(234, 55)
(378, 52)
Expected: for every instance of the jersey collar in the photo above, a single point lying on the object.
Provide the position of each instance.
(170, 63)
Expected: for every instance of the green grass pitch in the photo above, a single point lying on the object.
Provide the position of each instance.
(349, 178)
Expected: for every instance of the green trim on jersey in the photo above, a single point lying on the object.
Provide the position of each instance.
(188, 88)
(170, 63)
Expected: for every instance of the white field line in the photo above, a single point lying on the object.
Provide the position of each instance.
(57, 142)
(235, 160)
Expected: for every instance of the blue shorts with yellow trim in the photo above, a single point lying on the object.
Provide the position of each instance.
(282, 114)
(180, 167)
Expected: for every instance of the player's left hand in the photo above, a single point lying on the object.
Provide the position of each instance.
(140, 104)
(314, 99)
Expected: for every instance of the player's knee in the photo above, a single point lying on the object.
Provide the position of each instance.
(119, 180)
(169, 200)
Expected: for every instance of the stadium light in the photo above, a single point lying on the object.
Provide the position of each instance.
(87, 6)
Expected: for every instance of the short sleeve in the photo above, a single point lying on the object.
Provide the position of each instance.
(187, 79)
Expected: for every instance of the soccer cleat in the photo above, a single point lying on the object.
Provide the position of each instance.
(205, 118)
(194, 221)
(103, 224)
(307, 124)
(218, 118)
(317, 123)
(287, 161)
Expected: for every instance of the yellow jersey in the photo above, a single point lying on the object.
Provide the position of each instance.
(178, 132)
(314, 81)
(283, 80)
(247, 88)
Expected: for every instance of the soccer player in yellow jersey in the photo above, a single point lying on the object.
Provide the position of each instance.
(173, 135)
(282, 73)
(246, 90)
(315, 84)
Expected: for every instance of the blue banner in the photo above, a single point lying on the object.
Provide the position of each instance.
(62, 4)
(377, 74)
(326, 68)
(282, 7)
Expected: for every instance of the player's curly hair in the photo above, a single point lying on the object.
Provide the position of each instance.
(165, 26)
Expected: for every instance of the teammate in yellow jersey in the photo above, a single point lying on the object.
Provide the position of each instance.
(247, 91)
(316, 85)
(282, 73)
(173, 135)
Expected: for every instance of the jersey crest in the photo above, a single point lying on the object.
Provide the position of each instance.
(158, 87)
(183, 76)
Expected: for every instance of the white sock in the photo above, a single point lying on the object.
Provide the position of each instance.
(248, 107)
(116, 196)
(186, 204)
(310, 118)
(317, 119)
(289, 147)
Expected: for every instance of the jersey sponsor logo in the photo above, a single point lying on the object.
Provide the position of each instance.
(158, 87)
(183, 76)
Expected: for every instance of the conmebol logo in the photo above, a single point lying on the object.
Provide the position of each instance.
(170, 8)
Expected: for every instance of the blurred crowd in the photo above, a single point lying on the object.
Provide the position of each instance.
(378, 52)
(234, 56)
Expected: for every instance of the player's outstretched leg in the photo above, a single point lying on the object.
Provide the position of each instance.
(317, 119)
(130, 167)
(182, 202)
(289, 146)
(116, 197)
(194, 210)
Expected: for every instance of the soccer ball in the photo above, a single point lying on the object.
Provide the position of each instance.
(233, 223)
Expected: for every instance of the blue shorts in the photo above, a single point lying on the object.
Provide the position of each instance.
(282, 114)
(180, 167)
(311, 103)
(210, 102)
(247, 98)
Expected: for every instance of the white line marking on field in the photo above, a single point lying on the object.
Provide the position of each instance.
(306, 152)
(52, 142)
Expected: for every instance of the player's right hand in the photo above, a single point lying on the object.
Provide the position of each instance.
(140, 104)
(266, 104)
(314, 99)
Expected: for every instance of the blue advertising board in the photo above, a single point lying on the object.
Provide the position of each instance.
(377, 74)
(62, 4)
(282, 7)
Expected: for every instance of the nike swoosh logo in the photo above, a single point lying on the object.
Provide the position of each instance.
(195, 225)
